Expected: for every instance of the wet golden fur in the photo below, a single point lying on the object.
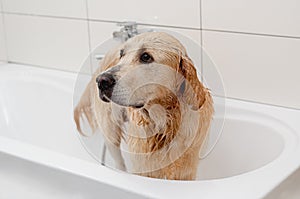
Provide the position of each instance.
(172, 144)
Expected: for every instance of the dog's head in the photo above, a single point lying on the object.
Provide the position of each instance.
(144, 67)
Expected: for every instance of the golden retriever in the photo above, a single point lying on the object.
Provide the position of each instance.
(146, 92)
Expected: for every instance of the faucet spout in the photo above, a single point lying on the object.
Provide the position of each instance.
(128, 30)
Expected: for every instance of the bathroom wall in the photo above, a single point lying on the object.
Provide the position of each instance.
(3, 56)
(60, 33)
(254, 44)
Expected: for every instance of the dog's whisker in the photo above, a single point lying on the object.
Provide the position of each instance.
(106, 97)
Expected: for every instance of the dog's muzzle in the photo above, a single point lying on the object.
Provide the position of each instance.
(106, 83)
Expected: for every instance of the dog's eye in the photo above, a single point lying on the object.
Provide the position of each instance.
(146, 58)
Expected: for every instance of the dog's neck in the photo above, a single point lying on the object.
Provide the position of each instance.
(158, 122)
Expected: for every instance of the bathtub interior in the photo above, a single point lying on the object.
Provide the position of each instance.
(40, 112)
(241, 148)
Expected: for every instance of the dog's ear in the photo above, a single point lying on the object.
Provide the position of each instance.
(84, 111)
(191, 89)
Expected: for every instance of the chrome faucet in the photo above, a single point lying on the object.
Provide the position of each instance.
(128, 30)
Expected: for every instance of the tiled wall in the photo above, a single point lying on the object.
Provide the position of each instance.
(255, 44)
(60, 33)
(3, 56)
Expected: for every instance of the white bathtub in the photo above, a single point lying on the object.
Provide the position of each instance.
(41, 155)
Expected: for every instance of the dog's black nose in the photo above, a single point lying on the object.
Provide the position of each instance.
(105, 83)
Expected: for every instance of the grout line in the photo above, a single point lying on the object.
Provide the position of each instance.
(96, 20)
(44, 16)
(257, 102)
(156, 25)
(89, 36)
(5, 33)
(168, 26)
(40, 66)
(251, 33)
(146, 24)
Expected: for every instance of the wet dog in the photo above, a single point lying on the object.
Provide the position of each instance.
(150, 84)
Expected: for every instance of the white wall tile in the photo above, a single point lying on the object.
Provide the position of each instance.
(257, 68)
(3, 56)
(167, 12)
(65, 8)
(50, 42)
(268, 16)
(101, 31)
